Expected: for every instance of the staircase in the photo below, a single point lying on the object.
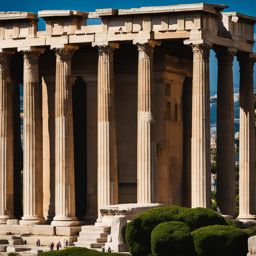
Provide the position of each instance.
(13, 244)
(93, 237)
(16, 244)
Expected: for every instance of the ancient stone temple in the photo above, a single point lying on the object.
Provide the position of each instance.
(116, 110)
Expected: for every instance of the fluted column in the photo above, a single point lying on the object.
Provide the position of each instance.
(6, 140)
(64, 144)
(32, 142)
(247, 176)
(145, 193)
(200, 141)
(225, 134)
(107, 159)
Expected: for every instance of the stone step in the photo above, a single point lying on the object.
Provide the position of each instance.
(17, 249)
(3, 248)
(93, 229)
(89, 245)
(92, 235)
(3, 241)
(5, 237)
(92, 240)
(16, 241)
(46, 240)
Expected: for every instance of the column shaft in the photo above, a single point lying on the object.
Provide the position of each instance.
(64, 144)
(145, 186)
(225, 134)
(200, 141)
(107, 158)
(247, 140)
(32, 141)
(6, 140)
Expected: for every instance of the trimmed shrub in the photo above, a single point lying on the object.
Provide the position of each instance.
(172, 237)
(76, 251)
(200, 217)
(234, 223)
(138, 231)
(250, 231)
(220, 240)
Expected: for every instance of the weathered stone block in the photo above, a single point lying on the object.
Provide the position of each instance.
(12, 222)
(15, 229)
(47, 230)
(252, 245)
(3, 248)
(116, 239)
(67, 231)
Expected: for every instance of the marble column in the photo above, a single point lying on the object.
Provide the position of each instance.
(247, 174)
(107, 156)
(6, 140)
(225, 133)
(64, 144)
(145, 187)
(200, 141)
(32, 142)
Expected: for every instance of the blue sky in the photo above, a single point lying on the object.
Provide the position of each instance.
(244, 6)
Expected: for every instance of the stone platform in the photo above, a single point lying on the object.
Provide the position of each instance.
(28, 236)
(107, 232)
(127, 210)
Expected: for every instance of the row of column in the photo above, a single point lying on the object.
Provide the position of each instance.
(32, 141)
(200, 142)
(107, 163)
(64, 151)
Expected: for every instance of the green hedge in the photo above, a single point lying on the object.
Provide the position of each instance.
(76, 251)
(200, 217)
(220, 240)
(250, 231)
(138, 231)
(172, 237)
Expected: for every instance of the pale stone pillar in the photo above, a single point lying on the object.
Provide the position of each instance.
(145, 187)
(32, 142)
(200, 141)
(247, 180)
(225, 134)
(107, 157)
(6, 140)
(64, 144)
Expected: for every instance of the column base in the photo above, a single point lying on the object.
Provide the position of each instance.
(31, 220)
(227, 216)
(247, 218)
(65, 222)
(4, 218)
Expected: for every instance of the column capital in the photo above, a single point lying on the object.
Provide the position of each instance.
(4, 60)
(31, 56)
(107, 48)
(225, 55)
(106, 45)
(246, 58)
(204, 49)
(151, 44)
(5, 57)
(30, 69)
(67, 52)
(145, 50)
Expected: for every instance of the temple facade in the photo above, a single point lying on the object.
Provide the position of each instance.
(116, 110)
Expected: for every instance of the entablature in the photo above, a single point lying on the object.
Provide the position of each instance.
(17, 25)
(193, 23)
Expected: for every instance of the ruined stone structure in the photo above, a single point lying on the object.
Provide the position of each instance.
(118, 111)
